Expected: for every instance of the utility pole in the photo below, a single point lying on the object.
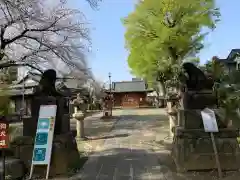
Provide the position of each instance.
(110, 92)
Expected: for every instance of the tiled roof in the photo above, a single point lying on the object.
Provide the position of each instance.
(19, 92)
(226, 61)
(69, 83)
(233, 53)
(129, 86)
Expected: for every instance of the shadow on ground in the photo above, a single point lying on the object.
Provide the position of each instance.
(123, 163)
(125, 122)
(96, 127)
(139, 164)
(145, 117)
(151, 121)
(92, 138)
(107, 137)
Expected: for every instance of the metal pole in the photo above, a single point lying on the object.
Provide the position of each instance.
(3, 164)
(110, 91)
(109, 76)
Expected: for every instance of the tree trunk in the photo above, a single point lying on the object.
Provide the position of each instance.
(161, 91)
(172, 116)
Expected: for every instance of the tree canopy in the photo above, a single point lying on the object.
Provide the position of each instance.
(161, 34)
(45, 34)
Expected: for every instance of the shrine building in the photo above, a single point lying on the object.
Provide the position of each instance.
(130, 94)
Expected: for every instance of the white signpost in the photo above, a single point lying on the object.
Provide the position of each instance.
(209, 120)
(44, 137)
(211, 126)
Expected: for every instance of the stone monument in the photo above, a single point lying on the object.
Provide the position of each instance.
(192, 146)
(64, 152)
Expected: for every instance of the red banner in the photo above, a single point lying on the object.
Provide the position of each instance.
(4, 137)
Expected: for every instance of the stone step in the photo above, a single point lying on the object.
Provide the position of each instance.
(14, 168)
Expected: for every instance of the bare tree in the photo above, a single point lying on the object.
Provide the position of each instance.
(39, 33)
(94, 3)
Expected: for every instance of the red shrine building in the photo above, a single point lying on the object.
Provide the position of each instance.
(130, 94)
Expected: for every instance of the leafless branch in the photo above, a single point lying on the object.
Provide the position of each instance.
(94, 3)
(36, 33)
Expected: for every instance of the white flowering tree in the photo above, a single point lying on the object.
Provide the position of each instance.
(44, 34)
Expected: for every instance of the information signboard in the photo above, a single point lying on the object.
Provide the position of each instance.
(44, 137)
(209, 120)
(4, 137)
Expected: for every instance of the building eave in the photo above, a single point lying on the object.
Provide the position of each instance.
(145, 91)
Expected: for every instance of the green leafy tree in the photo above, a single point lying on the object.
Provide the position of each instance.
(226, 86)
(194, 60)
(227, 90)
(215, 69)
(161, 34)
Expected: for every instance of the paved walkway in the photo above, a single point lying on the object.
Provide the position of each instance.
(128, 155)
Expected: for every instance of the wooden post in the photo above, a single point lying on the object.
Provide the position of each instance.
(3, 164)
(216, 156)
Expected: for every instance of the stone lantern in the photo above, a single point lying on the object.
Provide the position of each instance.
(107, 106)
(79, 114)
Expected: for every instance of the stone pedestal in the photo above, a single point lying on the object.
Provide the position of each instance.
(193, 149)
(192, 146)
(65, 154)
(79, 116)
(192, 119)
(14, 168)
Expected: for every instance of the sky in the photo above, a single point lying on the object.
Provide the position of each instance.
(107, 34)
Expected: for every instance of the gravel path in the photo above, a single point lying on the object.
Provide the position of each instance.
(128, 155)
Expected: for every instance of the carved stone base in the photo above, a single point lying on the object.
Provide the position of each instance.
(65, 154)
(193, 150)
(14, 168)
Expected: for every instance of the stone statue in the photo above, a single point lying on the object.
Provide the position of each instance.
(46, 93)
(198, 95)
(196, 79)
(46, 85)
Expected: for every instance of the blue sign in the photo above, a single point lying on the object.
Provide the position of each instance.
(43, 123)
(39, 154)
(44, 135)
(41, 138)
